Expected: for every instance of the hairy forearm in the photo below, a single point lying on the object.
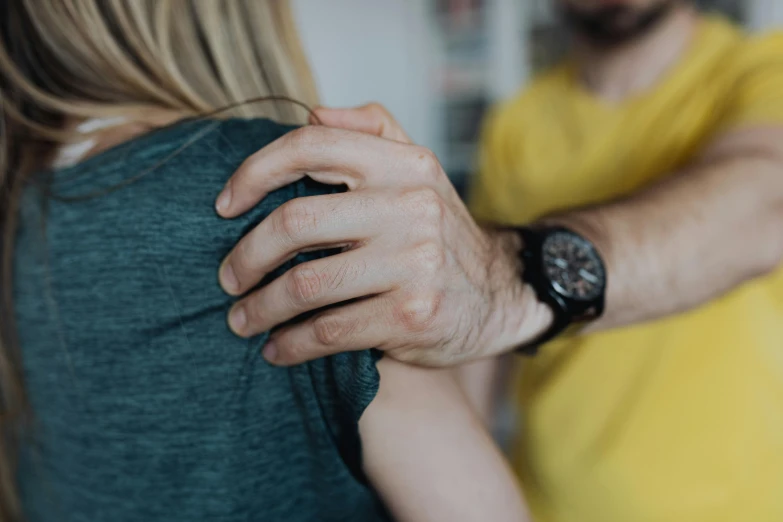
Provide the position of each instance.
(689, 239)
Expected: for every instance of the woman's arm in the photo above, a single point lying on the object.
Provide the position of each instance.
(428, 454)
(484, 383)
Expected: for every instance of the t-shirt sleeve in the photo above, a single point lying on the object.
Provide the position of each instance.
(345, 385)
(341, 386)
(485, 185)
(757, 95)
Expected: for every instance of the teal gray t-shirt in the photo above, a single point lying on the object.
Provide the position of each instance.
(146, 407)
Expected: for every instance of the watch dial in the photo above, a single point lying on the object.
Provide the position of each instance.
(573, 266)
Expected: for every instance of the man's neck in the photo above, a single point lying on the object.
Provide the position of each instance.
(617, 74)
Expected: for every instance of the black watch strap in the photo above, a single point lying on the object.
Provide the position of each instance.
(531, 260)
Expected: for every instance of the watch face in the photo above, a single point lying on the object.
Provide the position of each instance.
(573, 266)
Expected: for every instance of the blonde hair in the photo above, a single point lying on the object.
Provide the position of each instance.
(65, 60)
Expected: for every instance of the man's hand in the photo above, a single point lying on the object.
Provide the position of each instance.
(419, 279)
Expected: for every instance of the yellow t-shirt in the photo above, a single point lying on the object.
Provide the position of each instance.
(680, 420)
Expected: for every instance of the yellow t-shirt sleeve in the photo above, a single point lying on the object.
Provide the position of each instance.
(483, 197)
(757, 98)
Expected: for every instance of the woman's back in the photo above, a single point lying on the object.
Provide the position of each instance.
(146, 406)
(123, 395)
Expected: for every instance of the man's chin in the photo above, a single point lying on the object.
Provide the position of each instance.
(615, 24)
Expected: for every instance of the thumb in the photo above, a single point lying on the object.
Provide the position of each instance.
(371, 119)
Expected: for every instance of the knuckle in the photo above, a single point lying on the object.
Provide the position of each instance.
(287, 223)
(308, 142)
(427, 164)
(301, 138)
(425, 203)
(330, 330)
(376, 109)
(418, 313)
(297, 220)
(429, 258)
(434, 207)
(252, 307)
(291, 352)
(304, 285)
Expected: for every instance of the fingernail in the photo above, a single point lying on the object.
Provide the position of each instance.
(270, 351)
(237, 319)
(223, 200)
(228, 279)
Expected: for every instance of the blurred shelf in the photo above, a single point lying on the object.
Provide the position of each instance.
(473, 70)
(463, 40)
(456, 84)
(462, 121)
(461, 159)
(457, 15)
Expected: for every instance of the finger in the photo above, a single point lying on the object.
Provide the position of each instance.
(313, 285)
(332, 156)
(372, 118)
(299, 224)
(356, 326)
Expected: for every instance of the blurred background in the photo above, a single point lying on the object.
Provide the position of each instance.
(439, 64)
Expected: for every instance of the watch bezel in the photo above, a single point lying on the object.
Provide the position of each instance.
(582, 242)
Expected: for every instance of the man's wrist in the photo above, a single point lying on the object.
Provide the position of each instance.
(517, 316)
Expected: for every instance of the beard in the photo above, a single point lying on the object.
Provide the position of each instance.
(615, 25)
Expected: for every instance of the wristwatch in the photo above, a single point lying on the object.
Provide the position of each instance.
(566, 273)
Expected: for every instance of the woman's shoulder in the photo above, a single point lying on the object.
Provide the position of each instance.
(121, 290)
(163, 184)
(151, 199)
(210, 148)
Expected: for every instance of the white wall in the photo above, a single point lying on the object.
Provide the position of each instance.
(765, 14)
(372, 50)
(510, 20)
